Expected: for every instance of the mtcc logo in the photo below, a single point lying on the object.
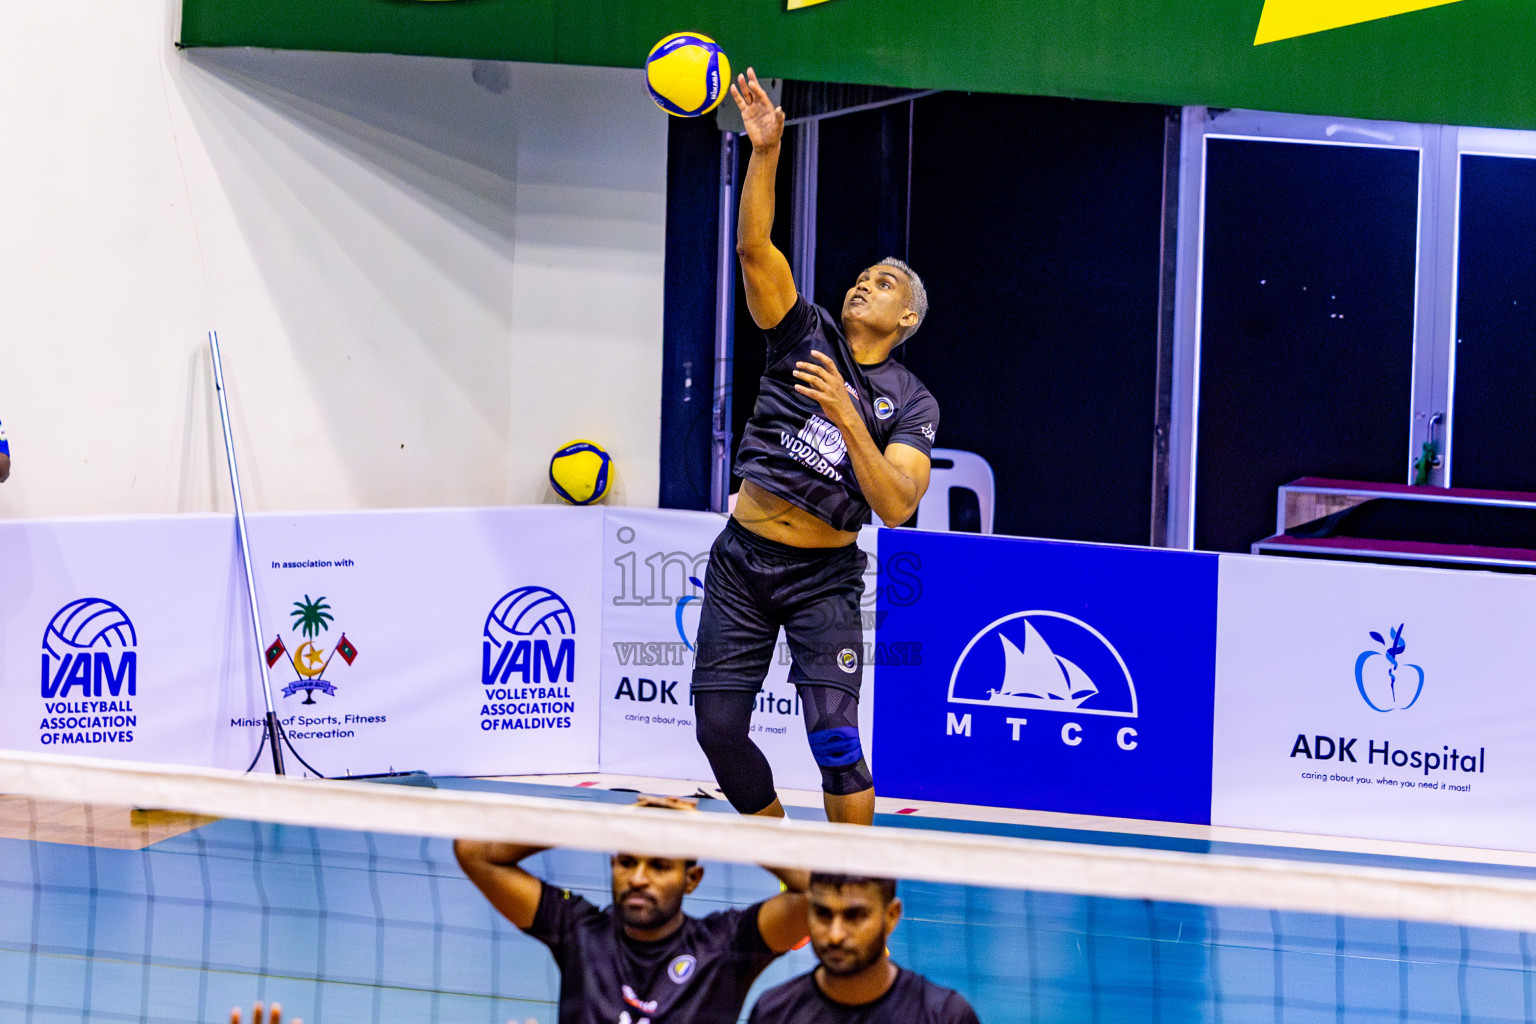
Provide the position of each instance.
(90, 650)
(1384, 682)
(529, 635)
(1046, 661)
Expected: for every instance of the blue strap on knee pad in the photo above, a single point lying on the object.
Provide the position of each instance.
(836, 748)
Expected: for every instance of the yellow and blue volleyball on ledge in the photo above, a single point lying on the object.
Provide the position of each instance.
(580, 471)
(687, 74)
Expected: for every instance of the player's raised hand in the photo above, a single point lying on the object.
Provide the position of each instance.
(764, 121)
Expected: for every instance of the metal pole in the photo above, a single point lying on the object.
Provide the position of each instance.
(725, 316)
(274, 737)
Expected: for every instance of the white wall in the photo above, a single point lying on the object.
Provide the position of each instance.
(425, 274)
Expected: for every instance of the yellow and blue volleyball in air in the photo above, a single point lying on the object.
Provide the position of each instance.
(580, 472)
(687, 74)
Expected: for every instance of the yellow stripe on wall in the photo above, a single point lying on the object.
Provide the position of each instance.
(1285, 19)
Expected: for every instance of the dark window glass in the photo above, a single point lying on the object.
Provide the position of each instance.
(1494, 412)
(1306, 353)
(1036, 226)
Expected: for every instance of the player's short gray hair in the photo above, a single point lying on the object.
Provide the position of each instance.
(919, 303)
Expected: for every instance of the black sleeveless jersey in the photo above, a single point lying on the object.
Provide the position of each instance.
(913, 999)
(790, 449)
(700, 974)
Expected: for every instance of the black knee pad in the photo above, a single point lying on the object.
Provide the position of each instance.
(723, 725)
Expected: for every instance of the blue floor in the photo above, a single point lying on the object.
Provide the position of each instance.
(345, 927)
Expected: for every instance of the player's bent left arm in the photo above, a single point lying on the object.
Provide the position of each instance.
(893, 481)
(784, 921)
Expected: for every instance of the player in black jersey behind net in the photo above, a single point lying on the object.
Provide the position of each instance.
(852, 918)
(641, 959)
(839, 431)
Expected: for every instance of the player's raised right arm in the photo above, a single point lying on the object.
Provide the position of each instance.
(769, 281)
(493, 868)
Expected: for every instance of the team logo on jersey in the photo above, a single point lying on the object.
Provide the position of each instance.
(848, 660)
(927, 431)
(884, 409)
(681, 969)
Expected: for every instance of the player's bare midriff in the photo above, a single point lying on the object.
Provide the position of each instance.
(773, 518)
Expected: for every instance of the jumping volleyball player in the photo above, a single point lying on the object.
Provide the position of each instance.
(839, 430)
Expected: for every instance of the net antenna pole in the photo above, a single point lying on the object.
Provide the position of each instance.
(272, 736)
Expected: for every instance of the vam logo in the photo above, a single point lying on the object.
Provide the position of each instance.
(1046, 661)
(1385, 684)
(529, 638)
(90, 650)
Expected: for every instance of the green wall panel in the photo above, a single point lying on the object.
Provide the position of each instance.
(1471, 62)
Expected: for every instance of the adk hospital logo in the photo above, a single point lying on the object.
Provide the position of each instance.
(528, 662)
(1044, 661)
(1385, 683)
(90, 675)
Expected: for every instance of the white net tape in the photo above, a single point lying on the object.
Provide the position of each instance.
(908, 853)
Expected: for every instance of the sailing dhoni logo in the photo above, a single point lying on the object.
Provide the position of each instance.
(1047, 661)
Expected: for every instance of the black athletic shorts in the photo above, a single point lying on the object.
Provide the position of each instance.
(753, 586)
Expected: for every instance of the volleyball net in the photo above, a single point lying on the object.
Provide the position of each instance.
(169, 894)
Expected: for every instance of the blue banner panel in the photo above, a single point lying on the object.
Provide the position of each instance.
(1051, 676)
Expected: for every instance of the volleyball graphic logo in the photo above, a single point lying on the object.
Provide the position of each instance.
(529, 611)
(90, 647)
(529, 639)
(89, 624)
(687, 74)
(580, 472)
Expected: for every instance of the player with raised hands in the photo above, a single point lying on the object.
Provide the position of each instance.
(840, 432)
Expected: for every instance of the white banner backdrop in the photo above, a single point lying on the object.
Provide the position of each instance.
(125, 638)
(456, 641)
(651, 560)
(1375, 701)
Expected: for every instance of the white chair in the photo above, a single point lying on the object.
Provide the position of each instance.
(955, 470)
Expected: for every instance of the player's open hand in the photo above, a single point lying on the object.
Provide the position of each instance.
(823, 381)
(764, 121)
(257, 1016)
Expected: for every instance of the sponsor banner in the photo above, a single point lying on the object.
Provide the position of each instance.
(457, 641)
(653, 571)
(125, 638)
(1051, 676)
(1375, 701)
(1434, 61)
